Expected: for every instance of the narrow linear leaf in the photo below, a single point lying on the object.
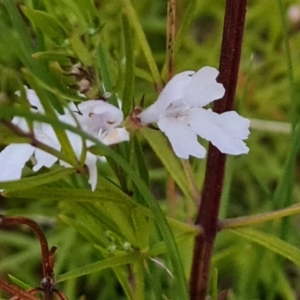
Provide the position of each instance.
(119, 260)
(129, 76)
(81, 228)
(19, 24)
(142, 228)
(63, 57)
(81, 51)
(270, 242)
(135, 23)
(102, 64)
(18, 282)
(46, 23)
(34, 181)
(122, 219)
(139, 159)
(72, 195)
(161, 148)
(141, 73)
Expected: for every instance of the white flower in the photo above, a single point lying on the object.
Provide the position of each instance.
(179, 113)
(96, 117)
(100, 120)
(14, 156)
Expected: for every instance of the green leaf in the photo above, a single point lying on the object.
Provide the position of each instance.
(162, 149)
(17, 187)
(18, 282)
(136, 25)
(129, 76)
(81, 50)
(86, 8)
(122, 259)
(62, 57)
(270, 242)
(46, 23)
(104, 193)
(142, 228)
(283, 193)
(88, 229)
(141, 73)
(103, 69)
(283, 283)
(103, 66)
(121, 217)
(139, 159)
(19, 24)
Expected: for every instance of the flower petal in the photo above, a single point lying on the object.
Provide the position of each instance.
(97, 106)
(33, 99)
(235, 124)
(183, 140)
(21, 123)
(117, 135)
(98, 114)
(211, 127)
(204, 88)
(173, 92)
(43, 159)
(13, 159)
(91, 163)
(46, 135)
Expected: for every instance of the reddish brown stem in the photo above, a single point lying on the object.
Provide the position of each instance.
(171, 27)
(46, 258)
(13, 290)
(47, 283)
(207, 217)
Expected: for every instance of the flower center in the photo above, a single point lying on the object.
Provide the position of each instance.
(178, 111)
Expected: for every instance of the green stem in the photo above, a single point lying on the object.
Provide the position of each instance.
(259, 218)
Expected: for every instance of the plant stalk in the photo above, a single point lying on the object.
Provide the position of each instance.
(208, 213)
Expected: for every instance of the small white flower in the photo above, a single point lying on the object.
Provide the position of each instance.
(98, 116)
(100, 120)
(14, 156)
(179, 113)
(95, 117)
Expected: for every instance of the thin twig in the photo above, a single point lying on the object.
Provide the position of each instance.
(48, 282)
(171, 30)
(259, 218)
(46, 261)
(13, 290)
(36, 143)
